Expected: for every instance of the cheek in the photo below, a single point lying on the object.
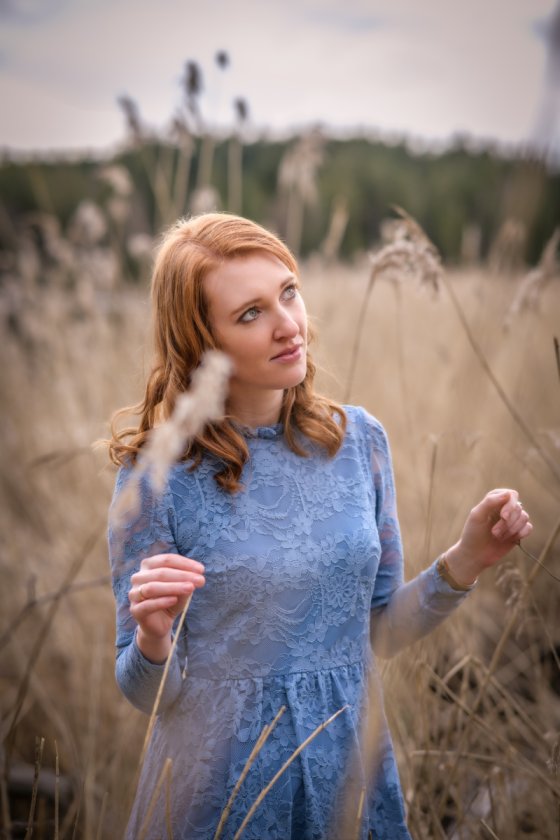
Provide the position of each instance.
(247, 346)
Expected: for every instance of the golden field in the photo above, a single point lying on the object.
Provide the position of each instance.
(474, 709)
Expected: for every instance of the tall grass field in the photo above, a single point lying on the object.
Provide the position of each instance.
(467, 385)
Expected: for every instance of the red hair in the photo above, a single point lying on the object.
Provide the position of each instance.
(190, 249)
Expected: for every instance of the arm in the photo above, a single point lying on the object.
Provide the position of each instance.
(151, 583)
(414, 610)
(492, 529)
(403, 613)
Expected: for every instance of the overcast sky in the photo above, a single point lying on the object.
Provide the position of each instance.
(429, 68)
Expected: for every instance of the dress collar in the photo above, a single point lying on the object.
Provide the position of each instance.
(266, 432)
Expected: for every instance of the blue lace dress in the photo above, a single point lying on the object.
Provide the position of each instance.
(298, 565)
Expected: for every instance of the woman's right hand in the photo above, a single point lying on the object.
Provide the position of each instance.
(160, 589)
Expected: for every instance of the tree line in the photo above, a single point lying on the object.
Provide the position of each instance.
(318, 192)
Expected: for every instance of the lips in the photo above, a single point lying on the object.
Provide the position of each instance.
(289, 353)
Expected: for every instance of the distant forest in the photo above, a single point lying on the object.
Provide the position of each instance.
(311, 189)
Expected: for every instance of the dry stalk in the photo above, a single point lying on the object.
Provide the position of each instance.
(155, 709)
(406, 402)
(492, 834)
(533, 284)
(39, 745)
(493, 736)
(367, 755)
(254, 752)
(163, 776)
(297, 180)
(506, 254)
(77, 817)
(40, 641)
(492, 797)
(72, 814)
(536, 560)
(203, 403)
(34, 602)
(468, 756)
(337, 228)
(284, 767)
(182, 177)
(359, 813)
(99, 834)
(168, 822)
(91, 729)
(6, 816)
(549, 639)
(410, 254)
(235, 174)
(56, 793)
(520, 422)
(518, 709)
(508, 629)
(436, 822)
(431, 493)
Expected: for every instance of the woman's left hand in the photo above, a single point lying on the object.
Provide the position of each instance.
(493, 528)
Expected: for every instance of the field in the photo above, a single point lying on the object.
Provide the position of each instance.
(469, 397)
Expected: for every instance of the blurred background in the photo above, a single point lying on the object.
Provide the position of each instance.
(320, 120)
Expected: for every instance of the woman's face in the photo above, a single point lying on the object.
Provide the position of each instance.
(258, 318)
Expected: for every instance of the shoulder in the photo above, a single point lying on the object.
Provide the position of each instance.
(122, 477)
(137, 490)
(365, 427)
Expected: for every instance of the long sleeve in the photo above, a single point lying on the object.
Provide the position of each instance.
(402, 612)
(414, 610)
(150, 531)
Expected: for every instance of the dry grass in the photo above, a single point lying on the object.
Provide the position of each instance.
(474, 709)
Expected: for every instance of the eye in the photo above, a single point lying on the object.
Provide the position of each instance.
(249, 315)
(290, 291)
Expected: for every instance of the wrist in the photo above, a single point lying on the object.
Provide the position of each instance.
(154, 648)
(457, 569)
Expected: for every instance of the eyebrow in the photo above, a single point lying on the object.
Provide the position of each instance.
(250, 303)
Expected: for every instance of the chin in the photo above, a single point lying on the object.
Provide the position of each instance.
(296, 378)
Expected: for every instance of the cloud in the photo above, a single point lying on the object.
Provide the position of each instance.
(430, 69)
(28, 13)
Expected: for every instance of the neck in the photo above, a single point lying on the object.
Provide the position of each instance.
(259, 409)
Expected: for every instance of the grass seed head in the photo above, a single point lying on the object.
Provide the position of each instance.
(202, 404)
(408, 252)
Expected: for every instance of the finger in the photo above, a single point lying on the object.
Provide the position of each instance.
(167, 575)
(513, 527)
(510, 519)
(136, 595)
(503, 511)
(489, 509)
(512, 508)
(174, 561)
(158, 589)
(143, 609)
(525, 531)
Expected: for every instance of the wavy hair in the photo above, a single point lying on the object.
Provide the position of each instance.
(182, 332)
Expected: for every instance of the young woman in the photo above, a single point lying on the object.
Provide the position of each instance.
(281, 518)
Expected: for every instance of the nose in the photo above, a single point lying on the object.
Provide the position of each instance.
(286, 326)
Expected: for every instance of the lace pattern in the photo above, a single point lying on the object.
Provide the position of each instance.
(295, 564)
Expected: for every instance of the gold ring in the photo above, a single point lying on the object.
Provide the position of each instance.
(142, 596)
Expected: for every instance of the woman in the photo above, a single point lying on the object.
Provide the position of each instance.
(282, 520)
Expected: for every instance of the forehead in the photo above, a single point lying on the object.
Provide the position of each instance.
(244, 279)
